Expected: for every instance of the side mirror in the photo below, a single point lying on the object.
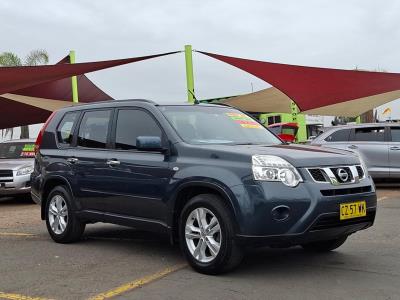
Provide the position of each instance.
(149, 143)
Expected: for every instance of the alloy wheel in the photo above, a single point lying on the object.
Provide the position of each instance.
(203, 235)
(58, 214)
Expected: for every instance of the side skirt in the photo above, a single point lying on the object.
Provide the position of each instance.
(135, 222)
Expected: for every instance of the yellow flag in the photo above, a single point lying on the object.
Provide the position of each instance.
(387, 111)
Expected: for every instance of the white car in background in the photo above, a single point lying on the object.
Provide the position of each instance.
(16, 166)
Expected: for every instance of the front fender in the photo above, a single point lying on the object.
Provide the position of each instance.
(196, 182)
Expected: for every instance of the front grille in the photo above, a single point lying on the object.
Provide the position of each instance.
(317, 174)
(360, 171)
(328, 222)
(338, 175)
(6, 173)
(346, 191)
(5, 180)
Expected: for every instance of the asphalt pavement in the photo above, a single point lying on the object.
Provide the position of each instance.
(122, 263)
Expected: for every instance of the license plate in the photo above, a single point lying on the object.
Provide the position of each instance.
(353, 210)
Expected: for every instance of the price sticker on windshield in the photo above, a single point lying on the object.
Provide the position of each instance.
(28, 150)
(243, 120)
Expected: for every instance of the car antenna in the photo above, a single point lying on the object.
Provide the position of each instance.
(194, 97)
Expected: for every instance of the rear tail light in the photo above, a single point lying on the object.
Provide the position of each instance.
(41, 132)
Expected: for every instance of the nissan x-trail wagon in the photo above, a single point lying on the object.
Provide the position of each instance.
(209, 176)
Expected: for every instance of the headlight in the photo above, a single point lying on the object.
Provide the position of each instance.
(274, 168)
(25, 171)
(364, 166)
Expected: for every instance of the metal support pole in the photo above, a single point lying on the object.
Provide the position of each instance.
(189, 73)
(74, 79)
(294, 110)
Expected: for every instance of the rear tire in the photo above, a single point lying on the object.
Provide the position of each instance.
(325, 246)
(209, 245)
(62, 223)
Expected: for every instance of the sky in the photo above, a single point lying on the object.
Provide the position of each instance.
(345, 34)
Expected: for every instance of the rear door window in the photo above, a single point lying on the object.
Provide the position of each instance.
(341, 135)
(93, 130)
(64, 129)
(132, 123)
(395, 133)
(369, 134)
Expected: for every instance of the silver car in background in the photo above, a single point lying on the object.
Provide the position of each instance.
(378, 144)
(16, 166)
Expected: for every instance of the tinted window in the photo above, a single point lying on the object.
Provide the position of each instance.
(64, 130)
(395, 131)
(341, 135)
(93, 130)
(370, 134)
(132, 123)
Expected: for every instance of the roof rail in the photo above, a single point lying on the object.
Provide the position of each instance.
(109, 101)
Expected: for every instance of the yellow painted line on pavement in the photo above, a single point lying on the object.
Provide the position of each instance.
(137, 283)
(19, 297)
(16, 234)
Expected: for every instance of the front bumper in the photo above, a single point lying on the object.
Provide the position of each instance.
(312, 216)
(18, 185)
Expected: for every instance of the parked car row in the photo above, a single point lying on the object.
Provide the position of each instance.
(377, 144)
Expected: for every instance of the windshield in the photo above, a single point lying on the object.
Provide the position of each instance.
(216, 125)
(17, 150)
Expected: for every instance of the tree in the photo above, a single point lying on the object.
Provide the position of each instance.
(34, 58)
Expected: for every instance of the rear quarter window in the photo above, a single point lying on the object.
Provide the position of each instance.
(64, 129)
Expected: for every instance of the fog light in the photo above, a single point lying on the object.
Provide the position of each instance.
(280, 213)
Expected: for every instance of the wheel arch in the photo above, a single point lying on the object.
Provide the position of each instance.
(188, 190)
(48, 186)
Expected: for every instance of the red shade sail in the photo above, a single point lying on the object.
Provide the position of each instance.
(312, 87)
(16, 78)
(61, 89)
(28, 95)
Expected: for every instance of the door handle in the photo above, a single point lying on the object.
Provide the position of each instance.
(394, 148)
(113, 162)
(72, 160)
(352, 147)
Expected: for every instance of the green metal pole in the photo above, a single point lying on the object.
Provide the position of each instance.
(358, 120)
(294, 110)
(74, 79)
(189, 73)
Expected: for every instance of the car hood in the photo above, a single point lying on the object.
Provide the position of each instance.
(297, 155)
(15, 164)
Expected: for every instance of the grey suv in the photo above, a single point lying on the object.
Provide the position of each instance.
(378, 144)
(210, 177)
(16, 166)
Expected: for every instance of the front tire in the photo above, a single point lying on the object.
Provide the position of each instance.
(207, 235)
(325, 246)
(62, 223)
